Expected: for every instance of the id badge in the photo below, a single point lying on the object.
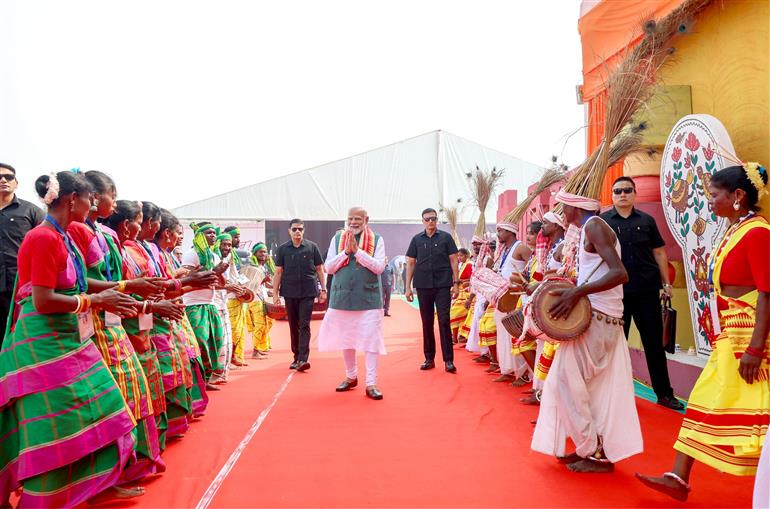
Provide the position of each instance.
(111, 319)
(145, 321)
(85, 325)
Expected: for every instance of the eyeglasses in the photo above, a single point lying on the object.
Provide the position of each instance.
(10, 177)
(431, 219)
(623, 190)
(297, 229)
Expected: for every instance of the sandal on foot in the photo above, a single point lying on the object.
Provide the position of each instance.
(569, 458)
(115, 492)
(590, 466)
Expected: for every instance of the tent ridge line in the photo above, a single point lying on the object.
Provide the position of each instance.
(313, 168)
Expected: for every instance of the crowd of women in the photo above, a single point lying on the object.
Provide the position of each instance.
(102, 362)
(726, 421)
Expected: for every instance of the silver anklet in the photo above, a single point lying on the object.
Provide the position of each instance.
(672, 475)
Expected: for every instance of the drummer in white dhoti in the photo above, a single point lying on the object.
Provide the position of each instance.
(353, 322)
(589, 393)
(484, 258)
(514, 258)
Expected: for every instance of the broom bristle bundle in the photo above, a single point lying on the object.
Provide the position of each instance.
(483, 184)
(629, 86)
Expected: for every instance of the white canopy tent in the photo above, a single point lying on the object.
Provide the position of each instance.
(394, 183)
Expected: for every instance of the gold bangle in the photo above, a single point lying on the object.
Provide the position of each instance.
(86, 302)
(80, 303)
(122, 285)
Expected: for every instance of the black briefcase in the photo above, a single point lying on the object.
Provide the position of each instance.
(669, 324)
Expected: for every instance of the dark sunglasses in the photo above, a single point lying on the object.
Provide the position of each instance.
(623, 190)
(10, 177)
(297, 229)
(431, 219)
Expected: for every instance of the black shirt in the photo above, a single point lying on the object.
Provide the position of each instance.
(19, 217)
(299, 278)
(432, 269)
(638, 235)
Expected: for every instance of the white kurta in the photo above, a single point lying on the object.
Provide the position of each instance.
(359, 330)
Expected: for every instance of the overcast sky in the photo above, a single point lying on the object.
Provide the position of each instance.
(180, 100)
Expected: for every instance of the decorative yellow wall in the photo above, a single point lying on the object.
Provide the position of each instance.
(726, 62)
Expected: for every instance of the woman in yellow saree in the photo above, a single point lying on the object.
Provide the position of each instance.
(729, 407)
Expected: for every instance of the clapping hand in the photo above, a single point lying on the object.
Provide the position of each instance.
(114, 302)
(168, 310)
(221, 268)
(147, 287)
(199, 278)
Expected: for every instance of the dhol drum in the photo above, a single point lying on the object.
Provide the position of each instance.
(508, 301)
(247, 296)
(514, 325)
(254, 275)
(566, 328)
(275, 312)
(489, 284)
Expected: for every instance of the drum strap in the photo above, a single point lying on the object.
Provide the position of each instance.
(588, 279)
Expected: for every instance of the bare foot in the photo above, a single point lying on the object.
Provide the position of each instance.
(493, 367)
(532, 399)
(503, 378)
(665, 485)
(585, 466)
(521, 382)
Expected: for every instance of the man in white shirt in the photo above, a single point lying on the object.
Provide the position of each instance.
(200, 305)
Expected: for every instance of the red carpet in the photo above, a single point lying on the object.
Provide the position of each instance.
(436, 440)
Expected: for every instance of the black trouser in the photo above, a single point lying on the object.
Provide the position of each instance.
(386, 291)
(441, 299)
(299, 311)
(644, 307)
(5, 306)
